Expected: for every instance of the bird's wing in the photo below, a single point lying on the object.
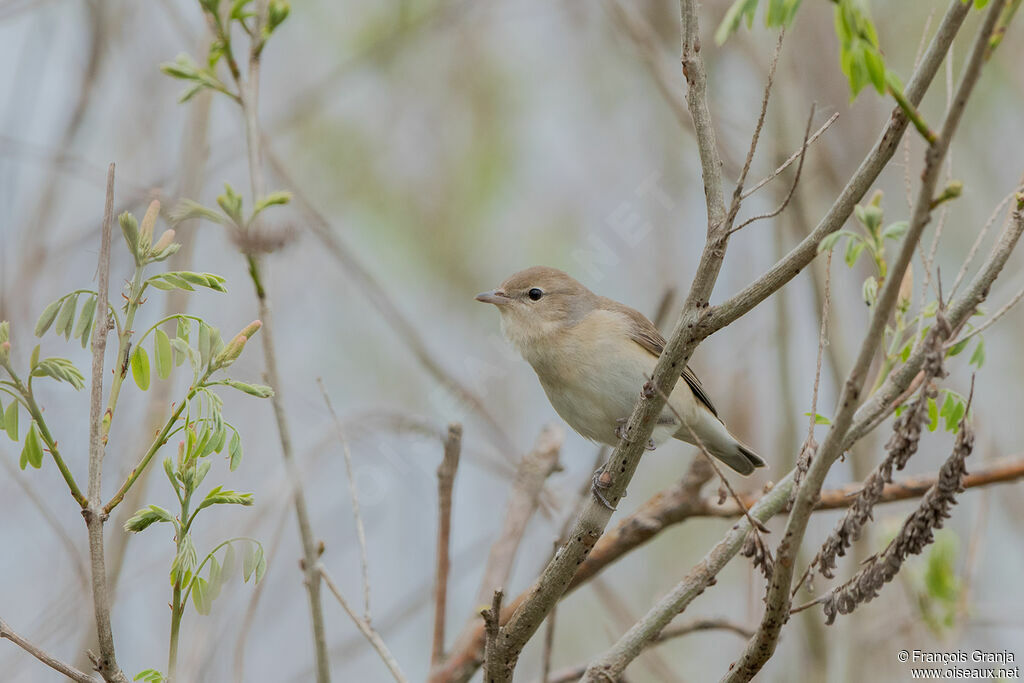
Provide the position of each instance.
(644, 333)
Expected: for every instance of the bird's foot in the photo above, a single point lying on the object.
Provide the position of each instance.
(620, 434)
(620, 429)
(602, 480)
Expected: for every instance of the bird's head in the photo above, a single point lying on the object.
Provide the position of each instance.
(538, 302)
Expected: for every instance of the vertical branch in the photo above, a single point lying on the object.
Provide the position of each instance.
(105, 662)
(495, 670)
(445, 482)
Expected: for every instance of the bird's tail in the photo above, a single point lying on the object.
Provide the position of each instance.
(722, 444)
(739, 457)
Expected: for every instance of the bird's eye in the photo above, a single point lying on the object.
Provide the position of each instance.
(535, 294)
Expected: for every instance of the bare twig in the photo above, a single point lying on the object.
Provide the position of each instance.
(792, 187)
(494, 671)
(981, 236)
(686, 628)
(364, 627)
(532, 472)
(992, 319)
(445, 482)
(44, 657)
(795, 156)
(737, 193)
(354, 494)
(106, 661)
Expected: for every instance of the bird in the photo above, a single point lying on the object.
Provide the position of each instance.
(593, 354)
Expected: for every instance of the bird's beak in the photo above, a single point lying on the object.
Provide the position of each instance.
(495, 296)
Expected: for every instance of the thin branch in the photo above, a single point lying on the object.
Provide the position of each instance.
(354, 494)
(364, 627)
(981, 235)
(445, 482)
(571, 674)
(44, 657)
(494, 671)
(737, 193)
(792, 188)
(1003, 470)
(795, 156)
(992, 319)
(532, 472)
(106, 661)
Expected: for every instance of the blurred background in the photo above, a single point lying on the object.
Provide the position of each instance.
(446, 145)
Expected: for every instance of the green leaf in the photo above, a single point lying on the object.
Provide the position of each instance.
(853, 249)
(228, 567)
(33, 360)
(738, 11)
(218, 496)
(188, 209)
(235, 451)
(829, 241)
(48, 316)
(11, 421)
(261, 564)
(130, 230)
(162, 354)
(895, 231)
(231, 203)
(214, 581)
(149, 676)
(200, 595)
(249, 561)
(66, 316)
(183, 67)
(60, 369)
(957, 348)
(184, 561)
(140, 367)
(257, 390)
(947, 405)
(169, 471)
(84, 327)
(146, 517)
(204, 344)
(274, 198)
(978, 357)
(870, 290)
(33, 451)
(933, 415)
(819, 419)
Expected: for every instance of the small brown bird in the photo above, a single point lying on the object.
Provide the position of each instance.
(592, 356)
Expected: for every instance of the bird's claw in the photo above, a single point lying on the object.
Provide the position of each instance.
(620, 434)
(602, 480)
